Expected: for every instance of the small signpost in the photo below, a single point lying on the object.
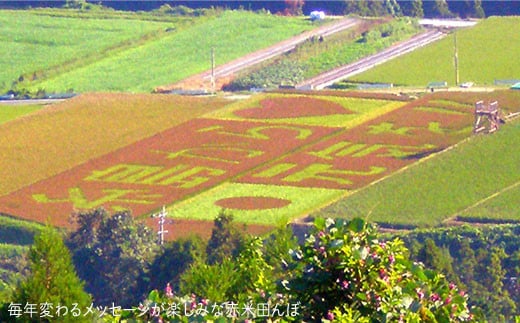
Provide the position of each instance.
(161, 216)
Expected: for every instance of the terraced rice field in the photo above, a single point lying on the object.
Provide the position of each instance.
(62, 136)
(269, 159)
(476, 181)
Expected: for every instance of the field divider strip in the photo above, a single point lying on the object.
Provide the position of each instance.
(482, 201)
(54, 71)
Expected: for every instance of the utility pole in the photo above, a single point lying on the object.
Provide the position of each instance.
(213, 70)
(161, 221)
(456, 58)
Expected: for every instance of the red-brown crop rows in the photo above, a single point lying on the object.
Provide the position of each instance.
(202, 153)
(160, 170)
(286, 107)
(361, 155)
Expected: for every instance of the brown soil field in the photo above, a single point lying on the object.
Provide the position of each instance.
(64, 135)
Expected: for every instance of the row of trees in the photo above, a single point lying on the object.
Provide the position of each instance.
(485, 261)
(343, 270)
(416, 8)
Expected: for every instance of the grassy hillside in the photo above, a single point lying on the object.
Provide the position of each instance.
(486, 52)
(477, 178)
(179, 54)
(34, 41)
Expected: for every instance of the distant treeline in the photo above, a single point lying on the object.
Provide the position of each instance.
(430, 8)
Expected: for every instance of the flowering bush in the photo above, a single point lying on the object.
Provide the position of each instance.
(344, 272)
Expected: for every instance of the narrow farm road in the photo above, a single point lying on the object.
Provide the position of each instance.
(328, 78)
(224, 72)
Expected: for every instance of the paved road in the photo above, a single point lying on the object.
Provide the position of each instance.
(30, 102)
(328, 78)
(227, 70)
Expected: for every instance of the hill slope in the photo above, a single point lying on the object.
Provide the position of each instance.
(486, 52)
(178, 53)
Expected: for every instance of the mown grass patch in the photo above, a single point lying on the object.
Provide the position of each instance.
(64, 135)
(486, 52)
(181, 53)
(10, 112)
(429, 192)
(303, 200)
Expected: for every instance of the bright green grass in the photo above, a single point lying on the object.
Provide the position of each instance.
(181, 54)
(501, 206)
(362, 111)
(303, 200)
(33, 42)
(10, 112)
(438, 188)
(486, 52)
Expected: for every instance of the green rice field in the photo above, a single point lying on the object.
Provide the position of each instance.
(487, 52)
(179, 54)
(476, 179)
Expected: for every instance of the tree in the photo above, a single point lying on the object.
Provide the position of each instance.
(442, 10)
(413, 8)
(478, 11)
(438, 259)
(175, 258)
(53, 279)
(294, 7)
(225, 240)
(113, 254)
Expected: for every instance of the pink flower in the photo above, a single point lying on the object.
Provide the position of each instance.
(330, 316)
(447, 300)
(452, 286)
(344, 284)
(168, 290)
(435, 297)
(391, 258)
(420, 294)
